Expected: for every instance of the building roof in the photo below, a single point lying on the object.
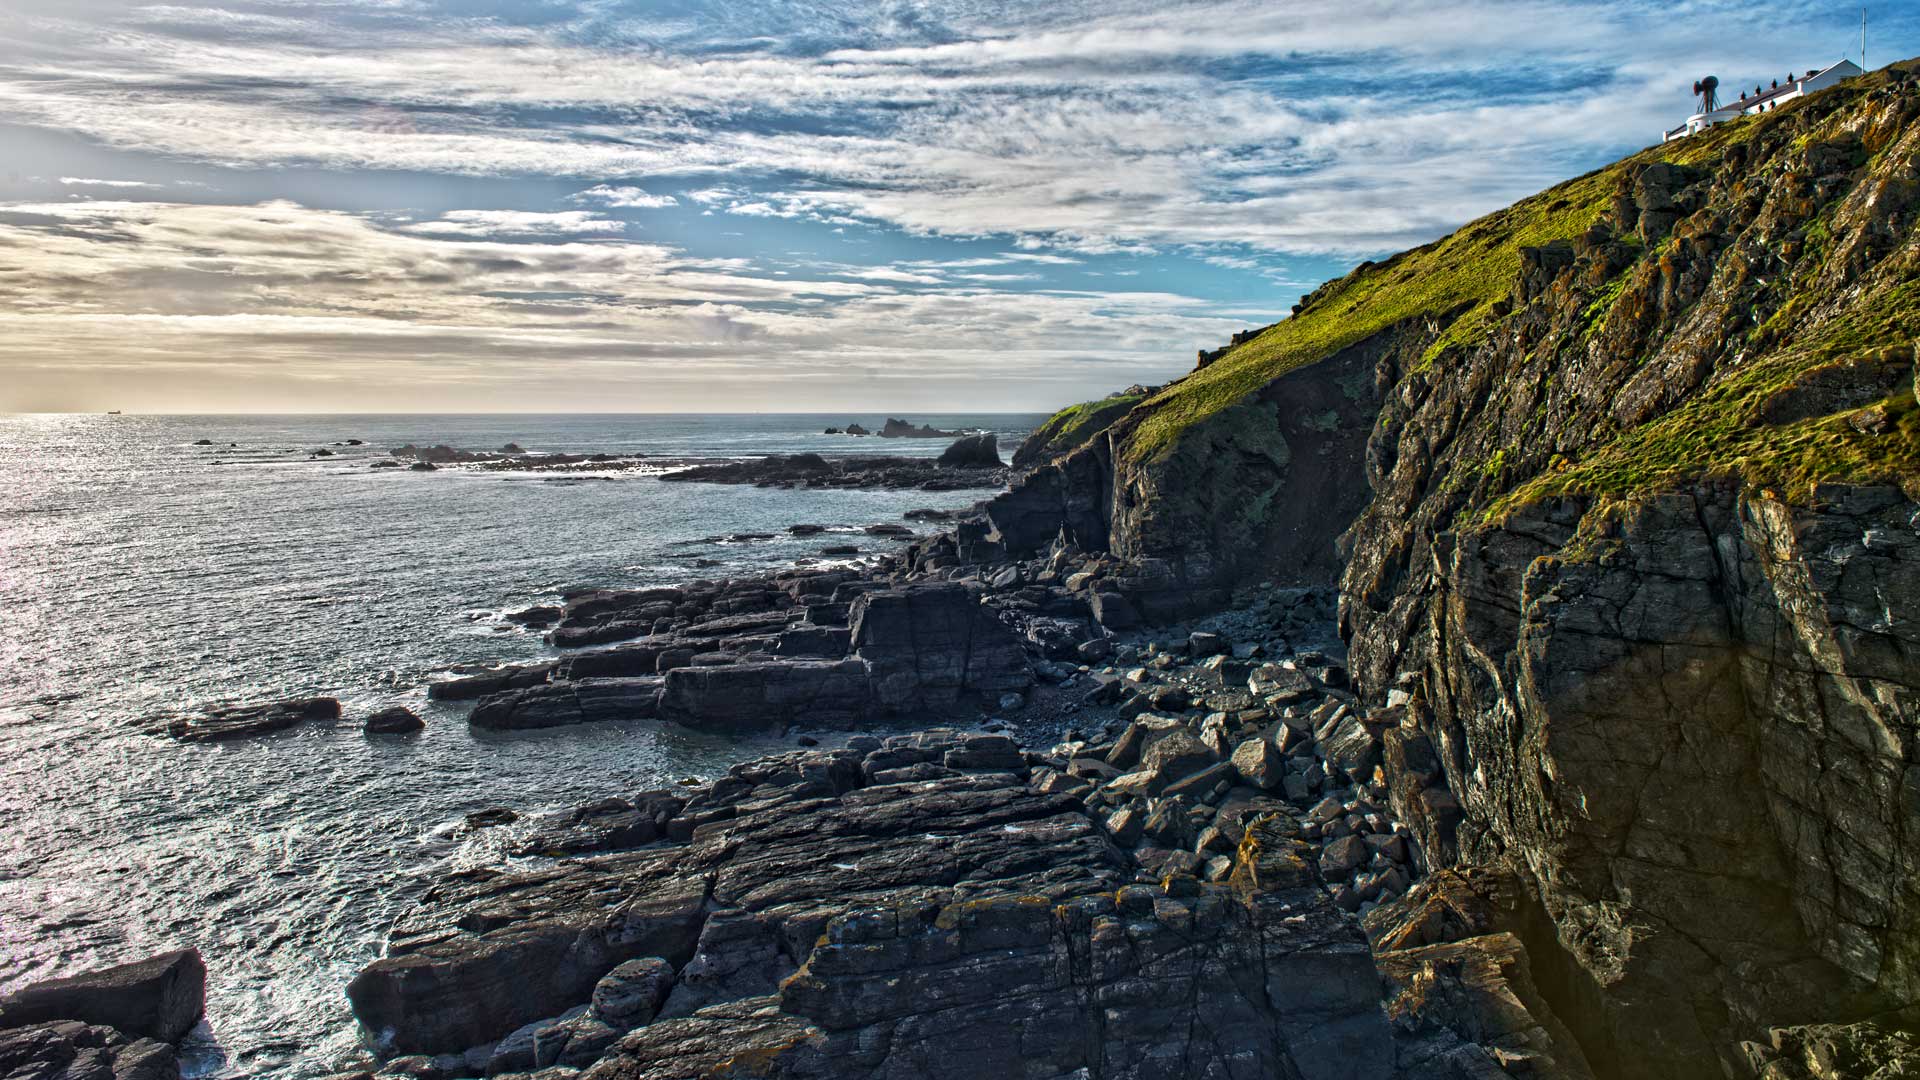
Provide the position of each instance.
(1791, 86)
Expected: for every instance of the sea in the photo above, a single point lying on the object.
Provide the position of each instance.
(138, 577)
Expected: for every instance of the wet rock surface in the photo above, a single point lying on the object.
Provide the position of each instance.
(117, 1023)
(217, 723)
(71, 1050)
(915, 905)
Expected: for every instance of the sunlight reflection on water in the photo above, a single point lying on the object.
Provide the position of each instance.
(136, 577)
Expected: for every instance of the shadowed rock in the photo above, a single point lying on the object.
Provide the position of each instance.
(160, 997)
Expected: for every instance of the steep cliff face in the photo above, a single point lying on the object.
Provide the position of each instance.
(1643, 555)
(1686, 721)
(1260, 490)
(1622, 489)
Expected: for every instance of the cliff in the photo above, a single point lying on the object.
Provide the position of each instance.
(1621, 489)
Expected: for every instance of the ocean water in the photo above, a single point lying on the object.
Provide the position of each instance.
(136, 577)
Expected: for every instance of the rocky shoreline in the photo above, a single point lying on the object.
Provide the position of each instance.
(1194, 817)
(1614, 497)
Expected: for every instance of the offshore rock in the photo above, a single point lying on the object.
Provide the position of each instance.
(971, 467)
(580, 702)
(219, 723)
(397, 720)
(973, 452)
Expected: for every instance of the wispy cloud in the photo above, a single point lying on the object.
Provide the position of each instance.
(992, 157)
(625, 196)
(83, 181)
(515, 223)
(285, 292)
(1347, 127)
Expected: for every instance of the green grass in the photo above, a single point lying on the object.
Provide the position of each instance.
(1467, 272)
(1072, 427)
(1718, 434)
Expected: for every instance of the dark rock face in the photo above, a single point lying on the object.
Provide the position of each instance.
(817, 920)
(1677, 708)
(1231, 502)
(973, 452)
(71, 1050)
(927, 644)
(1070, 498)
(762, 695)
(579, 702)
(240, 721)
(157, 998)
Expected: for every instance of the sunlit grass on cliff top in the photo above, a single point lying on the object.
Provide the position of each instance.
(1467, 273)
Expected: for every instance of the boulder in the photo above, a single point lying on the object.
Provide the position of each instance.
(925, 645)
(1176, 756)
(761, 695)
(160, 997)
(1352, 747)
(1260, 764)
(631, 994)
(441, 992)
(1139, 737)
(1114, 611)
(1201, 643)
(397, 720)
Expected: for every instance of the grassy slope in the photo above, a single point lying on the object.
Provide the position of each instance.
(1472, 269)
(1071, 427)
(1467, 271)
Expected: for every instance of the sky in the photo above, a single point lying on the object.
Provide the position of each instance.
(773, 205)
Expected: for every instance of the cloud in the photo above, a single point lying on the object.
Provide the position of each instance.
(82, 181)
(515, 223)
(607, 195)
(1319, 127)
(277, 292)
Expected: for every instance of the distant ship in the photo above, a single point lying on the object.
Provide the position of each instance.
(113, 412)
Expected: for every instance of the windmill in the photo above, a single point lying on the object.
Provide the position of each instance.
(1705, 88)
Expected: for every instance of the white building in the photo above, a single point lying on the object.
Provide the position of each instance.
(1760, 99)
